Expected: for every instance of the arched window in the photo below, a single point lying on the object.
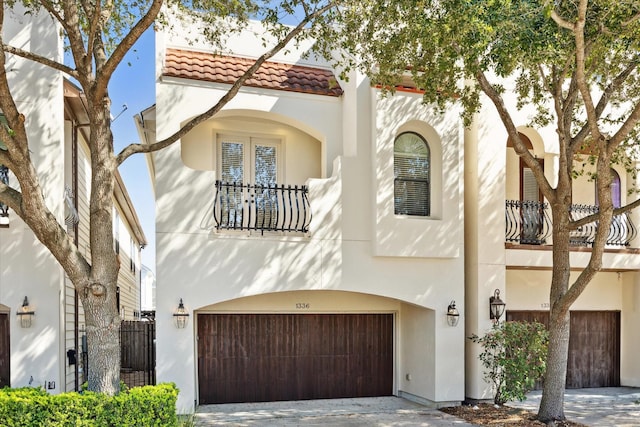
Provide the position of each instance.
(411, 170)
(615, 189)
(616, 196)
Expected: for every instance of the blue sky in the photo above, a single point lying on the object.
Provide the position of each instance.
(133, 84)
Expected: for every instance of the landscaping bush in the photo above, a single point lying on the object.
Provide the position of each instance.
(137, 407)
(514, 354)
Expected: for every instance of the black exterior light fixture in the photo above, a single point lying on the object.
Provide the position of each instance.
(453, 315)
(496, 306)
(25, 314)
(180, 316)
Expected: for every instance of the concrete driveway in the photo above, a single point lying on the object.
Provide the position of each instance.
(370, 411)
(610, 406)
(597, 407)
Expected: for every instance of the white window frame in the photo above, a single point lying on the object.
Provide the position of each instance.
(250, 141)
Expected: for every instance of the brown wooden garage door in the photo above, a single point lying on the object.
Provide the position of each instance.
(594, 346)
(269, 357)
(5, 372)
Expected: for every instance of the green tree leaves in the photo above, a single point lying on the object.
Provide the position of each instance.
(514, 356)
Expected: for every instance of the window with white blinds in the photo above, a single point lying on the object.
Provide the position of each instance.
(248, 160)
(530, 189)
(265, 164)
(411, 167)
(253, 164)
(232, 162)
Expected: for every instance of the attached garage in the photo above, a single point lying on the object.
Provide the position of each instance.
(594, 346)
(270, 357)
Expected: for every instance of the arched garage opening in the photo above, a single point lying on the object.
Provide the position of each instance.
(248, 351)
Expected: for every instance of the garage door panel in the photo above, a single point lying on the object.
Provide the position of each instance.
(263, 357)
(594, 346)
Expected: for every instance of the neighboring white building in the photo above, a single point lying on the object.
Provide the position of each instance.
(147, 290)
(50, 352)
(387, 213)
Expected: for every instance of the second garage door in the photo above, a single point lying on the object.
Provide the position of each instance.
(269, 357)
(594, 346)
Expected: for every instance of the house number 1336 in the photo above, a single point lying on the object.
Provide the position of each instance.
(302, 305)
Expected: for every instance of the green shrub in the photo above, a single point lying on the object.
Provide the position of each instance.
(514, 355)
(137, 407)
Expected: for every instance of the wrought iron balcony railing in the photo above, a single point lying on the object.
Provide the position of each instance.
(255, 207)
(530, 223)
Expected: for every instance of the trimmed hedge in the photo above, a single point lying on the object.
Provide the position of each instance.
(139, 406)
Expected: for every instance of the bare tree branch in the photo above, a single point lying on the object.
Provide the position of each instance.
(574, 225)
(561, 21)
(519, 147)
(581, 79)
(613, 86)
(11, 198)
(129, 40)
(81, 57)
(39, 59)
(93, 22)
(625, 129)
(631, 20)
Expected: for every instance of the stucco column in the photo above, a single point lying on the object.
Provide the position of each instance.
(485, 163)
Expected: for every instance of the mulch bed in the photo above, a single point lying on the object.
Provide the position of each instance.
(485, 414)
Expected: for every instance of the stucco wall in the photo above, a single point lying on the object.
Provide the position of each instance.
(630, 340)
(26, 267)
(440, 234)
(529, 290)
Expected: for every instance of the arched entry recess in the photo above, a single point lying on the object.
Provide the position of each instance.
(298, 345)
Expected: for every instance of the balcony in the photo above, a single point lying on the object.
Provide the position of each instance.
(529, 223)
(261, 208)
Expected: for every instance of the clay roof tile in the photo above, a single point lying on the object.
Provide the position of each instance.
(271, 75)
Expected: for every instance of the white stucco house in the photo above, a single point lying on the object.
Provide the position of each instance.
(308, 278)
(48, 350)
(312, 236)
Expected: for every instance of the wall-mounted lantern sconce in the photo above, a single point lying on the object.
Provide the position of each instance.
(496, 306)
(25, 314)
(180, 316)
(453, 315)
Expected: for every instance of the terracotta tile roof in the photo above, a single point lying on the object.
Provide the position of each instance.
(271, 75)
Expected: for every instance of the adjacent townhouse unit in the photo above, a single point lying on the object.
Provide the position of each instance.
(48, 347)
(313, 236)
(508, 248)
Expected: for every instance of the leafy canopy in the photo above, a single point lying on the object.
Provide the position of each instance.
(444, 43)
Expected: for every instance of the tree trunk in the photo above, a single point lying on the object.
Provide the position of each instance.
(103, 338)
(552, 404)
